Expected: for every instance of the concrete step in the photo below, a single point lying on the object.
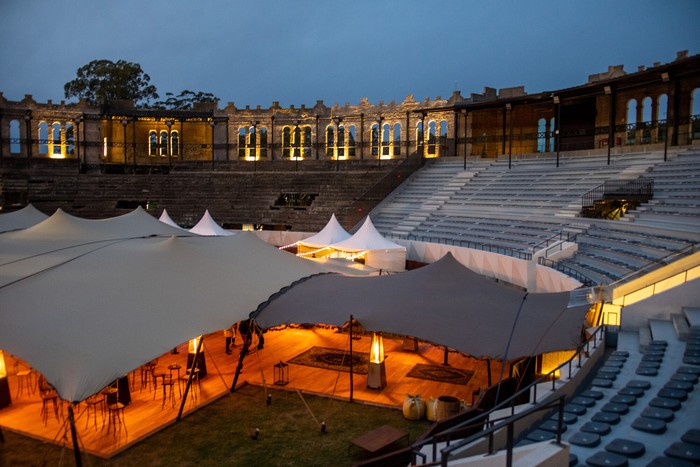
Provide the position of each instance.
(644, 337)
(692, 315)
(680, 324)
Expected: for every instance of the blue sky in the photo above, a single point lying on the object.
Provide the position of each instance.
(300, 51)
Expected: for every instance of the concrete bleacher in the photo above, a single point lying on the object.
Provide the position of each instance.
(487, 205)
(639, 408)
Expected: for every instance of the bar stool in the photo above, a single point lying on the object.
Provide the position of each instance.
(25, 382)
(147, 373)
(115, 416)
(94, 403)
(48, 395)
(175, 368)
(167, 384)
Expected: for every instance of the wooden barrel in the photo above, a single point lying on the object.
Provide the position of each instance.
(446, 406)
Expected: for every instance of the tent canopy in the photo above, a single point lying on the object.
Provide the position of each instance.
(208, 226)
(21, 219)
(444, 303)
(333, 232)
(166, 219)
(367, 237)
(87, 309)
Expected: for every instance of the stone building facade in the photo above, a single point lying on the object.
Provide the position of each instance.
(651, 106)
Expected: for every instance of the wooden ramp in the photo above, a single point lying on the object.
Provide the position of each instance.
(148, 413)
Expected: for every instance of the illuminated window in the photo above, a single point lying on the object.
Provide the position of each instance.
(306, 142)
(43, 138)
(432, 138)
(55, 139)
(386, 139)
(341, 141)
(163, 146)
(251, 150)
(419, 135)
(263, 142)
(174, 143)
(152, 143)
(15, 137)
(104, 147)
(397, 140)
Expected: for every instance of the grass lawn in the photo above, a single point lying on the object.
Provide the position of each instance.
(220, 434)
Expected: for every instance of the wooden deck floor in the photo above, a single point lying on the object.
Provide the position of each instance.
(147, 413)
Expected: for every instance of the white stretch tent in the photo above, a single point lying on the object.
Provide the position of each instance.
(21, 219)
(208, 226)
(333, 232)
(444, 303)
(380, 252)
(85, 302)
(166, 219)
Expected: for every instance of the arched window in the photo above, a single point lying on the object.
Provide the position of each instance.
(252, 148)
(286, 142)
(420, 141)
(397, 139)
(341, 141)
(631, 120)
(263, 142)
(661, 107)
(163, 146)
(241, 142)
(43, 138)
(15, 137)
(152, 143)
(55, 139)
(306, 142)
(374, 135)
(352, 133)
(296, 142)
(432, 138)
(330, 140)
(646, 120)
(552, 133)
(386, 139)
(541, 135)
(174, 143)
(70, 139)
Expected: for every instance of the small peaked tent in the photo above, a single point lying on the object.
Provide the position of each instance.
(444, 303)
(21, 219)
(165, 218)
(333, 232)
(208, 226)
(380, 252)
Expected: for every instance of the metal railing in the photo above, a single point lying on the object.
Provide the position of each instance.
(579, 276)
(635, 191)
(465, 244)
(454, 442)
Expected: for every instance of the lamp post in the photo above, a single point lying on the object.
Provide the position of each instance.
(124, 123)
(379, 140)
(337, 120)
(212, 123)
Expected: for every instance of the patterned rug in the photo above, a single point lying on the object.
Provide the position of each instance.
(442, 374)
(332, 359)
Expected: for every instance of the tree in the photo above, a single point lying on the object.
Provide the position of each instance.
(185, 100)
(103, 81)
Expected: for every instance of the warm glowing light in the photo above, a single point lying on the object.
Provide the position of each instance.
(3, 368)
(287, 246)
(104, 147)
(311, 253)
(552, 360)
(192, 348)
(376, 351)
(611, 314)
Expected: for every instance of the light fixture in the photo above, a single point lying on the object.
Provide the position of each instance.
(376, 371)
(608, 90)
(665, 78)
(555, 99)
(281, 375)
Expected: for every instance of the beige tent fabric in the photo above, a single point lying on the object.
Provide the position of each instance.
(444, 303)
(25, 217)
(332, 232)
(208, 226)
(92, 306)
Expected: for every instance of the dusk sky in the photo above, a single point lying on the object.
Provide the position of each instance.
(300, 51)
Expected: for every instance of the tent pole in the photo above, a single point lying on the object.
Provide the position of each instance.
(488, 370)
(244, 351)
(351, 384)
(189, 379)
(446, 357)
(74, 437)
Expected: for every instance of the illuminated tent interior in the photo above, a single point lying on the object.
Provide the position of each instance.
(378, 252)
(444, 303)
(333, 232)
(207, 226)
(21, 219)
(105, 296)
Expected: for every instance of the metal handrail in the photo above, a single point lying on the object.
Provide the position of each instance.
(483, 418)
(465, 244)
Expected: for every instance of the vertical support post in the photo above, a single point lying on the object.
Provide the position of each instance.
(351, 369)
(244, 352)
(124, 122)
(611, 120)
(74, 437)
